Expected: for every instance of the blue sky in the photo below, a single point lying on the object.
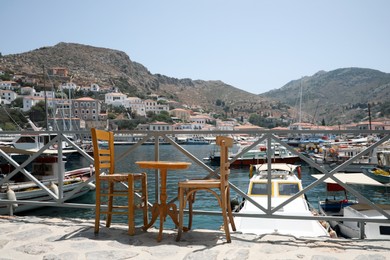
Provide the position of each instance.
(254, 45)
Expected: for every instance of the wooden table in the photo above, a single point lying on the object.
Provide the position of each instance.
(163, 209)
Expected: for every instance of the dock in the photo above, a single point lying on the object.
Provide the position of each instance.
(30, 237)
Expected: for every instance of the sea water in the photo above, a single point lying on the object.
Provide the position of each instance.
(239, 177)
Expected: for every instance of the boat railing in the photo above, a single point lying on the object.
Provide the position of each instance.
(260, 136)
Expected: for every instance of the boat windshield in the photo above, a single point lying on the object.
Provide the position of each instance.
(288, 188)
(259, 189)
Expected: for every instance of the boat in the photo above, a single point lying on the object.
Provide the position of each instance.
(284, 184)
(196, 140)
(336, 155)
(381, 171)
(258, 155)
(372, 230)
(352, 208)
(382, 175)
(46, 169)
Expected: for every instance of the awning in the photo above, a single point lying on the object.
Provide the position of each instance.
(350, 178)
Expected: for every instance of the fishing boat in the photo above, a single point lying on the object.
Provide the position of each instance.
(45, 169)
(380, 174)
(381, 171)
(342, 206)
(284, 184)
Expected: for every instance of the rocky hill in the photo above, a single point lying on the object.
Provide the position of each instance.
(338, 96)
(87, 64)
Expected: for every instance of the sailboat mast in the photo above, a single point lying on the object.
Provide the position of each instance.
(300, 105)
(44, 92)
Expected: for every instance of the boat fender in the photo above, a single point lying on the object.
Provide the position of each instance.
(91, 186)
(54, 188)
(251, 171)
(11, 196)
(299, 170)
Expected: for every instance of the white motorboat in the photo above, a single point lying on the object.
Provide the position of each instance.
(284, 184)
(347, 208)
(46, 169)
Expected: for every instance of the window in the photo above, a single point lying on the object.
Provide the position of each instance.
(288, 188)
(259, 189)
(384, 230)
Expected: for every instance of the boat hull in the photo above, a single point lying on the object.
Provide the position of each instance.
(31, 192)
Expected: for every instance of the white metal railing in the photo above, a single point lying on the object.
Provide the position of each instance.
(269, 136)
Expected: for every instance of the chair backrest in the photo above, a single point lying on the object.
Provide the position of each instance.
(225, 143)
(103, 151)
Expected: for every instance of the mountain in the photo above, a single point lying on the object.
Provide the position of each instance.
(87, 64)
(338, 96)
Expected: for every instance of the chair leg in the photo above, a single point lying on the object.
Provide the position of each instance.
(97, 208)
(230, 214)
(131, 208)
(110, 203)
(181, 213)
(224, 209)
(191, 200)
(144, 200)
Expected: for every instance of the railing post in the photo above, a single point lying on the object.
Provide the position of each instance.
(362, 227)
(157, 176)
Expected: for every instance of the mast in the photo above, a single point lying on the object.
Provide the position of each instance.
(369, 115)
(44, 91)
(300, 106)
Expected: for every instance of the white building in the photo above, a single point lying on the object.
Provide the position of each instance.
(49, 94)
(115, 99)
(9, 84)
(136, 105)
(153, 106)
(7, 96)
(28, 91)
(160, 126)
(30, 101)
(67, 86)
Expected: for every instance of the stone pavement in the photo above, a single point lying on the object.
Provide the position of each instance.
(58, 238)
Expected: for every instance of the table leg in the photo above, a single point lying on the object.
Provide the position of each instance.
(155, 213)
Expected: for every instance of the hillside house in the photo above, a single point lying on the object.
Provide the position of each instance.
(68, 86)
(154, 107)
(86, 108)
(136, 105)
(7, 96)
(58, 71)
(9, 85)
(115, 99)
(182, 114)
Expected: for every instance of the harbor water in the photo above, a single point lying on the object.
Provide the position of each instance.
(204, 201)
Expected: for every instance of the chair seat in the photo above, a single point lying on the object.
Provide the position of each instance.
(200, 184)
(121, 176)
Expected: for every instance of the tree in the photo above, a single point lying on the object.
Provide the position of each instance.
(38, 113)
(163, 117)
(18, 102)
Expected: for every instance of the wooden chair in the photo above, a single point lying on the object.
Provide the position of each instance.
(110, 184)
(218, 187)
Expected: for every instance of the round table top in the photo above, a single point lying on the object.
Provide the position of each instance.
(171, 165)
